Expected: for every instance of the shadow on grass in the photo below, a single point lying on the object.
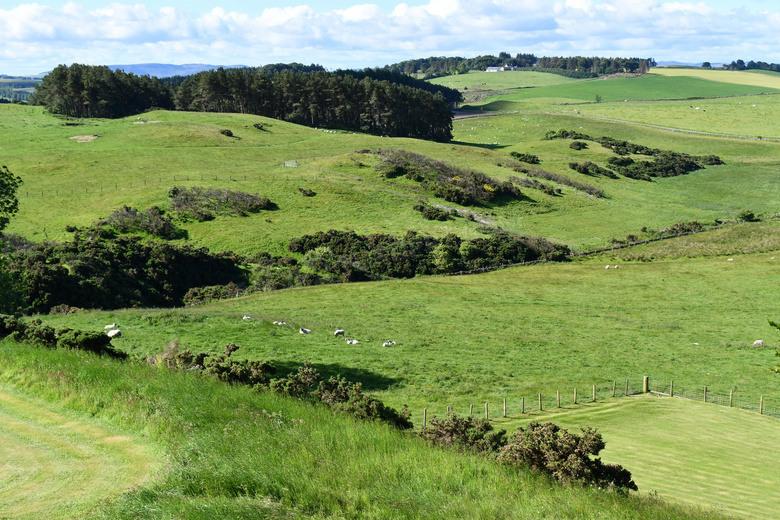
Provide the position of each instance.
(371, 380)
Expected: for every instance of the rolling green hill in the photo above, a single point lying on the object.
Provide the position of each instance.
(686, 309)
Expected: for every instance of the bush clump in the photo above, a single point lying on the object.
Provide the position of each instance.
(464, 187)
(34, 331)
(525, 157)
(465, 433)
(592, 169)
(566, 457)
(578, 145)
(432, 212)
(204, 204)
(152, 221)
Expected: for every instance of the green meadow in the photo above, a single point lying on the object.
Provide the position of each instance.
(686, 309)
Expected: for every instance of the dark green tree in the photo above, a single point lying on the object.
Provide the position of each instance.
(9, 204)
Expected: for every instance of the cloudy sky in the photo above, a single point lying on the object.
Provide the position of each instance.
(39, 35)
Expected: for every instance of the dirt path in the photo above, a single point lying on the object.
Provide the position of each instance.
(56, 466)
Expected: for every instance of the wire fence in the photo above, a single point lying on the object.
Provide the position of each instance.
(765, 405)
(545, 401)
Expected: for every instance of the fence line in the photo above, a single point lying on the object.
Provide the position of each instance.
(578, 396)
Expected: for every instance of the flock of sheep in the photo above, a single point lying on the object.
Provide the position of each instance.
(337, 333)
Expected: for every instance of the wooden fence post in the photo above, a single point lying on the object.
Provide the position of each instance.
(614, 385)
(504, 406)
(471, 409)
(522, 405)
(705, 394)
(487, 413)
(558, 397)
(594, 393)
(540, 401)
(425, 417)
(731, 398)
(626, 387)
(761, 406)
(575, 396)
(671, 388)
(645, 384)
(448, 410)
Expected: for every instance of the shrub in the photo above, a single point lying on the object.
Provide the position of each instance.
(745, 215)
(464, 433)
(547, 448)
(306, 192)
(152, 221)
(578, 145)
(226, 132)
(525, 157)
(205, 203)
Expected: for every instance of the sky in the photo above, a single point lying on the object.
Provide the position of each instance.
(37, 36)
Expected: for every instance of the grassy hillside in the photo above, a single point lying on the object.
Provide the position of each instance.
(686, 309)
(685, 466)
(235, 453)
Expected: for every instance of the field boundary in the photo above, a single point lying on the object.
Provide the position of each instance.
(540, 402)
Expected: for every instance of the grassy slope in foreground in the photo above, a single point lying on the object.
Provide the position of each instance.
(688, 451)
(58, 464)
(236, 453)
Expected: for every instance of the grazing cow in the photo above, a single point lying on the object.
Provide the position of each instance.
(339, 332)
(304, 331)
(758, 343)
(115, 333)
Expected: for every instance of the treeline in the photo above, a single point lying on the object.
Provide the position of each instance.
(444, 66)
(751, 65)
(97, 91)
(597, 66)
(577, 66)
(335, 100)
(376, 102)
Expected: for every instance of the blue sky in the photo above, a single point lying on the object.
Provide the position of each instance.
(38, 35)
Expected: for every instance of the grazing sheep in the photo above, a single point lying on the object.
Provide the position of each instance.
(388, 343)
(353, 342)
(112, 326)
(115, 333)
(339, 332)
(280, 323)
(247, 317)
(304, 331)
(617, 266)
(758, 343)
(606, 267)
(730, 260)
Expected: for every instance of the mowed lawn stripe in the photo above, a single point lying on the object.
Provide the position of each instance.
(58, 466)
(697, 453)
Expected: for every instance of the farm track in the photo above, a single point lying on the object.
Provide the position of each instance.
(59, 466)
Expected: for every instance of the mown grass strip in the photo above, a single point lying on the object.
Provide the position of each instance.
(693, 452)
(58, 464)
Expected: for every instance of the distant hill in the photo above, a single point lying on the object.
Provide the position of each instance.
(166, 70)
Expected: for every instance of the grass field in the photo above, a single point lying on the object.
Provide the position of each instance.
(692, 452)
(59, 465)
(686, 309)
(235, 453)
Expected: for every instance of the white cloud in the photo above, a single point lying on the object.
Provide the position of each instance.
(369, 34)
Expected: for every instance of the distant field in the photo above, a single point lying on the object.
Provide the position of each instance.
(755, 78)
(508, 80)
(687, 451)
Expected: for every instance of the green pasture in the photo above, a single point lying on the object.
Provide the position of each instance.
(507, 334)
(57, 464)
(133, 163)
(758, 78)
(649, 86)
(687, 451)
(508, 80)
(232, 452)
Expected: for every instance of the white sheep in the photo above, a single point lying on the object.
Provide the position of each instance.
(388, 343)
(112, 326)
(607, 267)
(758, 343)
(115, 333)
(247, 317)
(304, 331)
(339, 332)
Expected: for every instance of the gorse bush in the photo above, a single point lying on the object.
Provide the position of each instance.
(566, 457)
(35, 331)
(525, 157)
(592, 169)
(464, 187)
(152, 221)
(464, 433)
(561, 179)
(206, 203)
